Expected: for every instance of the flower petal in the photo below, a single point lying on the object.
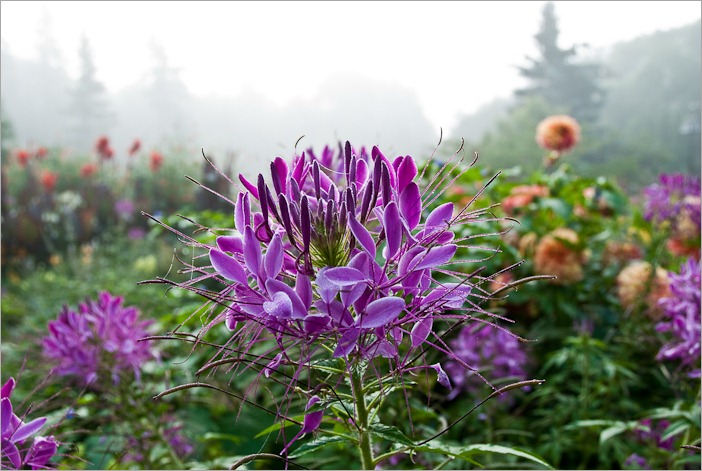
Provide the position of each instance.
(7, 388)
(274, 256)
(362, 236)
(233, 244)
(6, 416)
(442, 376)
(252, 252)
(28, 429)
(303, 288)
(406, 172)
(411, 205)
(393, 229)
(433, 257)
(347, 342)
(380, 313)
(421, 331)
(440, 217)
(315, 323)
(298, 309)
(227, 266)
(242, 212)
(344, 276)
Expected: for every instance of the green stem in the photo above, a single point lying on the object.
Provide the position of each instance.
(364, 436)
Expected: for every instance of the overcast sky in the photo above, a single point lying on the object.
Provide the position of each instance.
(456, 56)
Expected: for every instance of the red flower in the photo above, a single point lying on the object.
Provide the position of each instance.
(102, 146)
(156, 161)
(40, 153)
(48, 180)
(22, 157)
(558, 133)
(88, 170)
(136, 145)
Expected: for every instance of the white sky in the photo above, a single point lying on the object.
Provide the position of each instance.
(456, 56)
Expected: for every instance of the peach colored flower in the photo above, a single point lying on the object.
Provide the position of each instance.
(558, 133)
(527, 243)
(637, 284)
(620, 252)
(522, 195)
(553, 256)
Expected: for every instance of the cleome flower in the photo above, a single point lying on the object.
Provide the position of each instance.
(682, 317)
(18, 450)
(99, 339)
(341, 256)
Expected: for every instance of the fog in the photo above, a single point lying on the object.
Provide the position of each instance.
(249, 80)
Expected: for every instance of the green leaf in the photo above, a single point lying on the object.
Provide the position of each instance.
(393, 434)
(222, 436)
(279, 425)
(615, 430)
(317, 445)
(467, 452)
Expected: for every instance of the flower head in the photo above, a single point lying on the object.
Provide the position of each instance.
(22, 157)
(341, 257)
(88, 170)
(40, 152)
(103, 149)
(489, 350)
(558, 254)
(48, 180)
(155, 161)
(638, 282)
(100, 338)
(124, 209)
(522, 195)
(558, 133)
(18, 451)
(673, 195)
(134, 148)
(682, 317)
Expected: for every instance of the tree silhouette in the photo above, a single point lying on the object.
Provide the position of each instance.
(558, 76)
(87, 109)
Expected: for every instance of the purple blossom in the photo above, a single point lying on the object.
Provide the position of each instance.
(342, 255)
(485, 349)
(635, 461)
(100, 338)
(18, 451)
(124, 209)
(648, 433)
(682, 318)
(672, 195)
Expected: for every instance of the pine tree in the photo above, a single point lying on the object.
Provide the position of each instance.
(559, 77)
(88, 107)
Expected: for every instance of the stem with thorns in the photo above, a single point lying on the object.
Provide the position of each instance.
(364, 436)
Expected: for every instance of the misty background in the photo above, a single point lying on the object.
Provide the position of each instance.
(638, 100)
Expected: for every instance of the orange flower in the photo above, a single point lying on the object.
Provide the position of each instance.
(156, 161)
(88, 170)
(48, 180)
(558, 133)
(553, 257)
(619, 252)
(635, 283)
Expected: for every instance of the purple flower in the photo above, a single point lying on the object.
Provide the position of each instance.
(636, 462)
(100, 338)
(648, 433)
(485, 349)
(342, 256)
(124, 209)
(682, 318)
(18, 452)
(673, 195)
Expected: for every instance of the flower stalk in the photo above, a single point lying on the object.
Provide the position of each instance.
(364, 435)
